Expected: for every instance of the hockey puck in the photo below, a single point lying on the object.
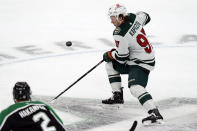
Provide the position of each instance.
(68, 43)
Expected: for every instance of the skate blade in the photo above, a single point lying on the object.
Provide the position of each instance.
(112, 106)
(149, 123)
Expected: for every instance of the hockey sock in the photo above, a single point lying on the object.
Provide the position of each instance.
(143, 96)
(114, 77)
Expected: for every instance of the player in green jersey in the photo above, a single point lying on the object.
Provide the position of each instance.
(28, 115)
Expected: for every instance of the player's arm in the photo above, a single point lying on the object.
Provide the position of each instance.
(144, 17)
(121, 54)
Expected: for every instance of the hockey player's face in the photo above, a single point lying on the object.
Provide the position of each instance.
(115, 21)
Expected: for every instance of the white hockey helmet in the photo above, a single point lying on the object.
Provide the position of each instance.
(116, 10)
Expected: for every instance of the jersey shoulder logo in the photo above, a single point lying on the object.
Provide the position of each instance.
(117, 30)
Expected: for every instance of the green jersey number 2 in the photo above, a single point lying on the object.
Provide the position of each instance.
(45, 122)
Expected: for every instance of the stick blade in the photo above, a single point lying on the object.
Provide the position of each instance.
(53, 101)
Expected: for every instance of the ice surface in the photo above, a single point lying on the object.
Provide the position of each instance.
(44, 26)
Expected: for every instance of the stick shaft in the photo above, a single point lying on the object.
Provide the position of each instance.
(78, 79)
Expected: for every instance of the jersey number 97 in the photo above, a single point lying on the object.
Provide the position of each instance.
(143, 42)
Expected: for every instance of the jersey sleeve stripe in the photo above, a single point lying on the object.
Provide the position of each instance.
(150, 63)
(141, 62)
(121, 58)
(144, 61)
(123, 55)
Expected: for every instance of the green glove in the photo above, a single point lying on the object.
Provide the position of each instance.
(107, 56)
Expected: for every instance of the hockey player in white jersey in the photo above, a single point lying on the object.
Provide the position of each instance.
(133, 55)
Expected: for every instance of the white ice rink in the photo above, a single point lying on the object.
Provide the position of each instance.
(43, 26)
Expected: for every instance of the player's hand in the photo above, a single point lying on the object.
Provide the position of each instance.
(107, 56)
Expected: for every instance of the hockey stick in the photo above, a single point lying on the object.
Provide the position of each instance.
(77, 81)
(134, 125)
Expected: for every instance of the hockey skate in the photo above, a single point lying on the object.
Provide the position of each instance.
(117, 98)
(154, 117)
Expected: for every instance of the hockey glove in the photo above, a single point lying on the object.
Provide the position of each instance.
(107, 56)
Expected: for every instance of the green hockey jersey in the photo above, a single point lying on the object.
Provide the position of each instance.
(30, 116)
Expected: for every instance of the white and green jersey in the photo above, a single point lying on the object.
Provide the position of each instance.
(30, 116)
(132, 45)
